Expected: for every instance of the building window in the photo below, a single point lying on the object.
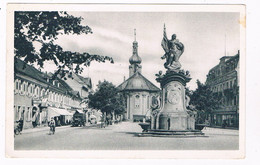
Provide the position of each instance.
(19, 85)
(148, 102)
(42, 92)
(137, 101)
(16, 88)
(24, 87)
(50, 96)
(18, 114)
(15, 112)
(30, 89)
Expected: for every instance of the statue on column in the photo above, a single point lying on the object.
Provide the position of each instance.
(173, 50)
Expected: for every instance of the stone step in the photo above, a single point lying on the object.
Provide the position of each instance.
(172, 133)
(162, 130)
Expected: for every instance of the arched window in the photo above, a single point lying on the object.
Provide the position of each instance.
(36, 91)
(137, 101)
(42, 92)
(53, 96)
(24, 87)
(148, 102)
(56, 97)
(20, 87)
(50, 96)
(16, 86)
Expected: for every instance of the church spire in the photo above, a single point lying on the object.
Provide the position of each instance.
(135, 33)
(135, 60)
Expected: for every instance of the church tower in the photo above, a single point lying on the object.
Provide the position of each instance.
(135, 60)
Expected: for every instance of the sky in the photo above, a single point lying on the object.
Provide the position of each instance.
(206, 37)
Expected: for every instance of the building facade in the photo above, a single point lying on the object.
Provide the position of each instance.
(224, 80)
(138, 90)
(78, 83)
(37, 96)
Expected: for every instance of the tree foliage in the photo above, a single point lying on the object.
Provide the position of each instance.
(107, 99)
(44, 28)
(204, 100)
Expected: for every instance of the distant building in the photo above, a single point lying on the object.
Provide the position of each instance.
(83, 85)
(137, 89)
(37, 97)
(224, 80)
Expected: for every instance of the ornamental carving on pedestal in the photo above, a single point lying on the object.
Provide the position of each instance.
(174, 96)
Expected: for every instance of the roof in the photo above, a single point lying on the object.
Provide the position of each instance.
(25, 69)
(86, 80)
(138, 82)
(227, 60)
(21, 67)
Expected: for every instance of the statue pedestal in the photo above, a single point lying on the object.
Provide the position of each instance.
(173, 115)
(173, 121)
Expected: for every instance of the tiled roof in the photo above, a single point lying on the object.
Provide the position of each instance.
(86, 80)
(21, 67)
(138, 82)
(28, 70)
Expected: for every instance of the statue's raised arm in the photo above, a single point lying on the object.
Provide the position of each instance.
(173, 50)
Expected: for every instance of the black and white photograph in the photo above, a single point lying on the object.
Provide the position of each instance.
(126, 78)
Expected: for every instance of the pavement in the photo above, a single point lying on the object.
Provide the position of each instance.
(122, 137)
(45, 128)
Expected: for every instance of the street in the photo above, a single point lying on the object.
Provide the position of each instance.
(121, 137)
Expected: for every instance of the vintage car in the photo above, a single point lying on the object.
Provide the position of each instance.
(79, 119)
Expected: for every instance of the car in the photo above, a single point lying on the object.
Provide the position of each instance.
(79, 119)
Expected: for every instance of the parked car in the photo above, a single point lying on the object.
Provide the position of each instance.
(79, 118)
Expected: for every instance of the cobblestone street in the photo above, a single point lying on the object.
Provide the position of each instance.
(121, 137)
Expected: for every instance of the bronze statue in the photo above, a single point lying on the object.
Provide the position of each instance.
(173, 50)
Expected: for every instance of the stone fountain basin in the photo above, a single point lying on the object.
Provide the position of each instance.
(200, 126)
(145, 126)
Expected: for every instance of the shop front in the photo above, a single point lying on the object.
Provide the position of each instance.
(61, 116)
(225, 119)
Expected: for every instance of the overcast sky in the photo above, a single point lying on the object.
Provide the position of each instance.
(203, 35)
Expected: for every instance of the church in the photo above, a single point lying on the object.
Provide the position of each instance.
(137, 89)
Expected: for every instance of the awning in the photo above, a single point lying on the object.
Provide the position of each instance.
(52, 112)
(80, 111)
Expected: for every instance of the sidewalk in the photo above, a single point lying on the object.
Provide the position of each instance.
(220, 131)
(232, 128)
(39, 129)
(46, 128)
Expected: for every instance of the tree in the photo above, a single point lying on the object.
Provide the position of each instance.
(205, 101)
(107, 99)
(44, 28)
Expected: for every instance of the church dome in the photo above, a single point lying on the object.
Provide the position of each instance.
(135, 59)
